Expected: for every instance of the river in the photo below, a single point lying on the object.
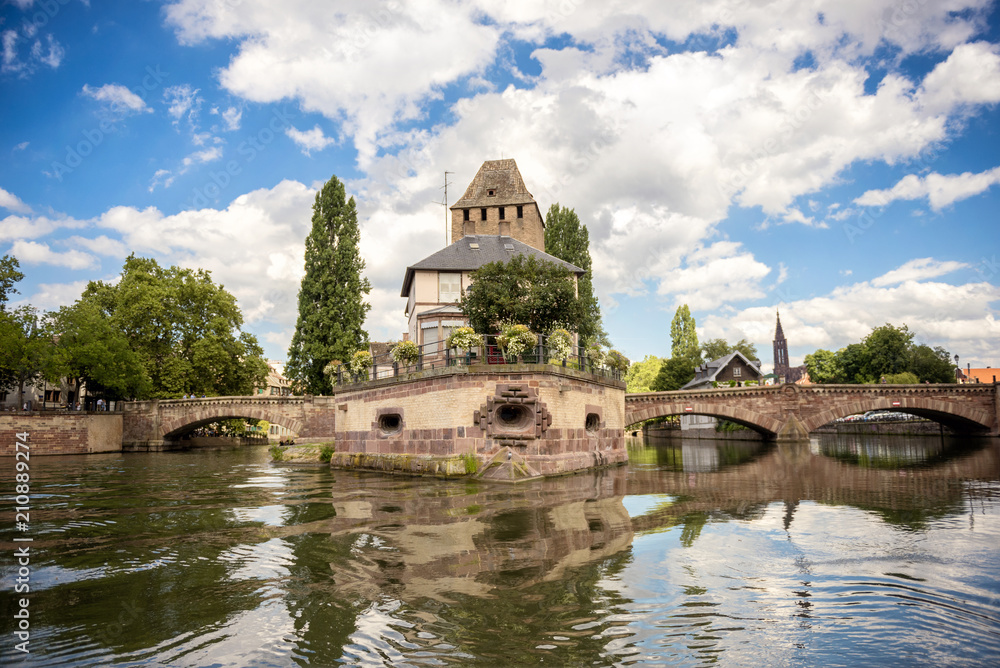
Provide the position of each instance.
(859, 550)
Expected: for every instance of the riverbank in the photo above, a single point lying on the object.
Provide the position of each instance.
(69, 433)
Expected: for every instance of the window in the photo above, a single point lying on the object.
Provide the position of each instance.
(502, 215)
(520, 211)
(491, 193)
(737, 372)
(430, 331)
(482, 214)
(51, 395)
(465, 214)
(449, 287)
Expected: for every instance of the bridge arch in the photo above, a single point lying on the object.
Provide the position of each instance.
(182, 418)
(952, 414)
(759, 422)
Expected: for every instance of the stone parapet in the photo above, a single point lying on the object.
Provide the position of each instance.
(62, 433)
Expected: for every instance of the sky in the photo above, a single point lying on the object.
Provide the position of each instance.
(838, 160)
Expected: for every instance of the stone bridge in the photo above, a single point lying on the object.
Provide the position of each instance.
(162, 424)
(793, 411)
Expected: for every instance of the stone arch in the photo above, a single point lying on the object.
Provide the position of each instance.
(763, 424)
(180, 419)
(954, 415)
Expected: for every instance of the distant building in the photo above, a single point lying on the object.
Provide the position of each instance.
(987, 375)
(734, 367)
(276, 385)
(495, 220)
(784, 372)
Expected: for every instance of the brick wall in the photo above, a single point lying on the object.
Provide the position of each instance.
(527, 229)
(438, 414)
(62, 433)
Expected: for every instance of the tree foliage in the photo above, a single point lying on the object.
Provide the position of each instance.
(713, 349)
(523, 290)
(674, 374)
(332, 309)
(26, 342)
(9, 275)
(183, 329)
(887, 351)
(684, 338)
(567, 239)
(641, 374)
(92, 351)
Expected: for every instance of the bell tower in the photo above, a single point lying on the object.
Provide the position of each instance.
(780, 352)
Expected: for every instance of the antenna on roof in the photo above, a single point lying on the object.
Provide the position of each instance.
(446, 235)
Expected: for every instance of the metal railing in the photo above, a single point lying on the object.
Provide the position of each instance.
(437, 355)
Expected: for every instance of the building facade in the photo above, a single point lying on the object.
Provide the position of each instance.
(503, 221)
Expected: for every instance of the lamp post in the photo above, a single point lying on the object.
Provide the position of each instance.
(958, 369)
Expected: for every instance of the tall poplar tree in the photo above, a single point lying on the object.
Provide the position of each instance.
(684, 337)
(331, 297)
(567, 239)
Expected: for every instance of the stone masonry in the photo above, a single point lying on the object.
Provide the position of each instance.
(793, 411)
(62, 433)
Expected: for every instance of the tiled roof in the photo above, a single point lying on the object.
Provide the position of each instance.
(706, 373)
(464, 255)
(502, 178)
(379, 349)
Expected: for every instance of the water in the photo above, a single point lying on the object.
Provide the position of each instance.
(844, 551)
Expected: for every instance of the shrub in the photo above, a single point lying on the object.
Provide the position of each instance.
(617, 361)
(464, 337)
(361, 361)
(277, 454)
(331, 368)
(515, 339)
(596, 355)
(326, 452)
(405, 352)
(560, 344)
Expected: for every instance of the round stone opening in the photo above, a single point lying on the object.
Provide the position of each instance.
(390, 423)
(512, 417)
(593, 422)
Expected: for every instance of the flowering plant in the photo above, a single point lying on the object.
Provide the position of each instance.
(331, 368)
(560, 344)
(596, 355)
(405, 352)
(515, 339)
(361, 361)
(617, 361)
(464, 337)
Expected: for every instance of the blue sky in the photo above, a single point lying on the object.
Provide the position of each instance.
(837, 160)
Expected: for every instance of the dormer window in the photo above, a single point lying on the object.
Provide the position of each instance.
(491, 193)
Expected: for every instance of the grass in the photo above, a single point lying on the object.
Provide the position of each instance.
(471, 463)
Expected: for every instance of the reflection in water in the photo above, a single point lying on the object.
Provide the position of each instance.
(844, 550)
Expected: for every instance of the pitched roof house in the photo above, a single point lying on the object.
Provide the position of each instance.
(734, 366)
(495, 220)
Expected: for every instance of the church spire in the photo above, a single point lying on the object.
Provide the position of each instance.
(780, 350)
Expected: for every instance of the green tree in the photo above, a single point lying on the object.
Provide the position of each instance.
(823, 367)
(567, 239)
(684, 338)
(184, 329)
(674, 374)
(524, 291)
(332, 309)
(641, 375)
(9, 275)
(931, 364)
(26, 342)
(853, 361)
(713, 349)
(888, 349)
(94, 353)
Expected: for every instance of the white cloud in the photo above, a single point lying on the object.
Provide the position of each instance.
(310, 140)
(102, 245)
(31, 252)
(50, 296)
(12, 202)
(182, 101)
(20, 147)
(34, 227)
(162, 177)
(201, 157)
(50, 53)
(970, 75)
(959, 317)
(119, 99)
(941, 190)
(917, 270)
(232, 117)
